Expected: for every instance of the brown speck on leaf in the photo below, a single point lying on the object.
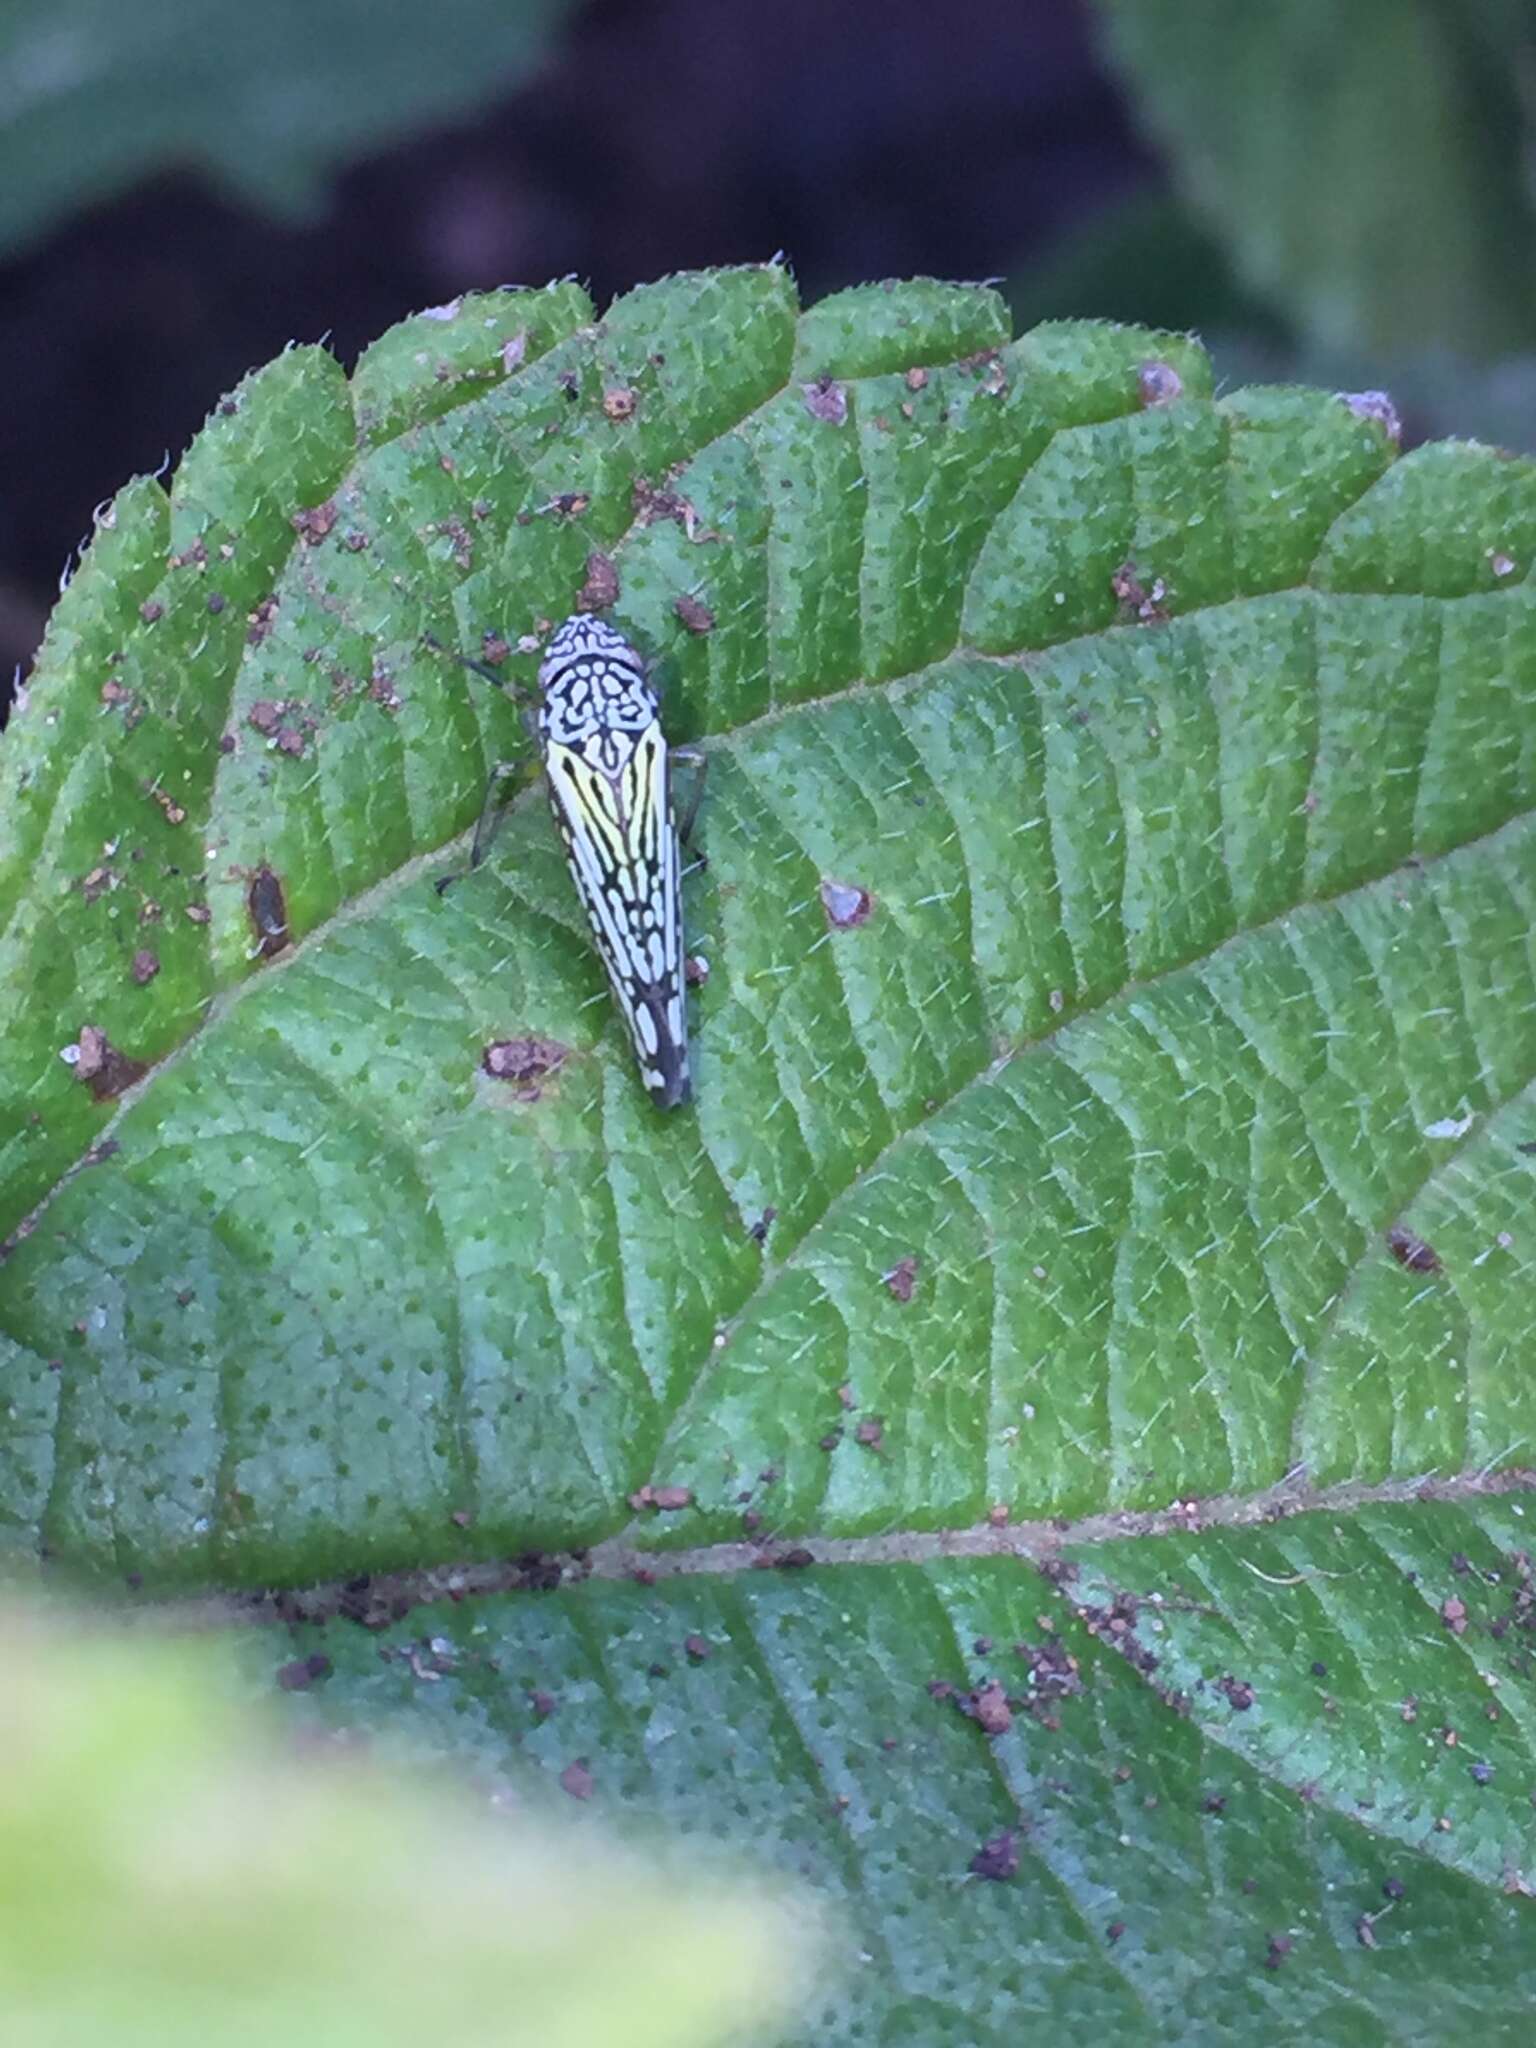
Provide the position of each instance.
(303, 1672)
(513, 350)
(845, 1395)
(1280, 1946)
(1453, 1613)
(175, 813)
(525, 1062)
(260, 622)
(216, 601)
(1237, 1692)
(314, 522)
(601, 588)
(1411, 1251)
(989, 1709)
(494, 648)
(150, 912)
(917, 378)
(998, 1858)
(113, 693)
(902, 1278)
(577, 1780)
(827, 400)
(193, 557)
(103, 1069)
(620, 401)
(198, 913)
(461, 1518)
(695, 970)
(96, 884)
(845, 903)
(290, 742)
(697, 1647)
(698, 618)
(758, 1231)
(1142, 602)
(264, 716)
(151, 610)
(997, 1515)
(870, 1432)
(146, 966)
(269, 913)
(797, 1560)
(382, 691)
(354, 540)
(1159, 383)
(1378, 406)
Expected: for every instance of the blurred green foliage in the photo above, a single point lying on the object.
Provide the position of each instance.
(267, 99)
(1365, 174)
(173, 1873)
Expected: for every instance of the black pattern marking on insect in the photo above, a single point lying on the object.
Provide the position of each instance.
(605, 759)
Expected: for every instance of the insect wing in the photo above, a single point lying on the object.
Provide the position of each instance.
(611, 804)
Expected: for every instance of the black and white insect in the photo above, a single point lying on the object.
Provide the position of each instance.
(609, 773)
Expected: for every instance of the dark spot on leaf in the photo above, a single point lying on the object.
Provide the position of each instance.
(264, 716)
(1237, 1692)
(758, 1231)
(998, 1858)
(315, 522)
(988, 1707)
(146, 965)
(698, 618)
(543, 1703)
(620, 401)
(1280, 1946)
(601, 588)
(666, 1499)
(303, 1672)
(1453, 1613)
(577, 1780)
(198, 913)
(1114, 1930)
(697, 1647)
(524, 1062)
(260, 622)
(1139, 602)
(216, 602)
(151, 610)
(695, 970)
(1159, 383)
(871, 1432)
(797, 1560)
(269, 913)
(845, 903)
(826, 400)
(902, 1278)
(98, 1063)
(1411, 1251)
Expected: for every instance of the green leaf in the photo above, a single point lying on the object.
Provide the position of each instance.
(1368, 171)
(169, 1878)
(1113, 1083)
(265, 100)
(1262, 1781)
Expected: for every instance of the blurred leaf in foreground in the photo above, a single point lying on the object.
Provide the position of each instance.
(169, 1877)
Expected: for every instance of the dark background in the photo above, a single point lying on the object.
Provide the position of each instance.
(873, 138)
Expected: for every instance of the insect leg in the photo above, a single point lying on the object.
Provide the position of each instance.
(491, 812)
(687, 813)
(482, 669)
